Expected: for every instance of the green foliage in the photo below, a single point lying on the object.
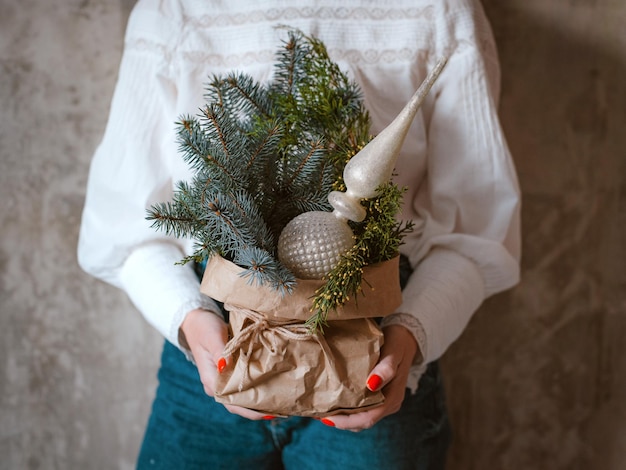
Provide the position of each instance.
(264, 153)
(378, 239)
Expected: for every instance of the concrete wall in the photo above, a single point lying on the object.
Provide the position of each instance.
(536, 382)
(539, 379)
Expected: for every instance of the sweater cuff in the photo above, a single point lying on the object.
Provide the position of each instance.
(415, 328)
(442, 294)
(163, 291)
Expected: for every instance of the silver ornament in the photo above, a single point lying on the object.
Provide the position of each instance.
(312, 243)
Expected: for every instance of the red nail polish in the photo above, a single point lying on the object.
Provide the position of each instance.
(268, 417)
(327, 422)
(374, 382)
(221, 364)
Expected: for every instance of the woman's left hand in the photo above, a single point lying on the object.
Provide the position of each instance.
(390, 374)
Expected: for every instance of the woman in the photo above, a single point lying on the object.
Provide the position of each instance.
(463, 197)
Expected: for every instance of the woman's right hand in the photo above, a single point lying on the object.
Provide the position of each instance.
(205, 334)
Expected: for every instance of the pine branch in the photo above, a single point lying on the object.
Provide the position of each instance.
(302, 165)
(240, 93)
(228, 143)
(264, 141)
(177, 218)
(262, 267)
(199, 149)
(236, 223)
(192, 143)
(289, 69)
(170, 220)
(262, 154)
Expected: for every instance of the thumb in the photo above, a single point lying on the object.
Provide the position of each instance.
(205, 331)
(383, 372)
(215, 337)
(206, 334)
(398, 351)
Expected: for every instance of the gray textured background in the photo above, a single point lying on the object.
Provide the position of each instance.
(538, 380)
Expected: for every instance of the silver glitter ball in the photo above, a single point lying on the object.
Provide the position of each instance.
(311, 244)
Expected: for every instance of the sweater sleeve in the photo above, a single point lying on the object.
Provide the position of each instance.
(131, 171)
(471, 201)
(467, 243)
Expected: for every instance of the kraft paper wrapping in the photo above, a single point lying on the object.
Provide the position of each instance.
(380, 295)
(277, 366)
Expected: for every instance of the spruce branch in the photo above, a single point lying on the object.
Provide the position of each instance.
(261, 267)
(201, 152)
(165, 217)
(240, 93)
(236, 223)
(262, 154)
(264, 141)
(302, 165)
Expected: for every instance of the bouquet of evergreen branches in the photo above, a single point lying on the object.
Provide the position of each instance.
(263, 153)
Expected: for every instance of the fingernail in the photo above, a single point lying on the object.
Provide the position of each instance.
(373, 383)
(221, 364)
(327, 422)
(268, 417)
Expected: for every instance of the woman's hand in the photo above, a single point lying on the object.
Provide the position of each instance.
(390, 374)
(205, 334)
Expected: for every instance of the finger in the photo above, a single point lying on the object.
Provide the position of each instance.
(216, 342)
(398, 351)
(247, 413)
(212, 335)
(383, 372)
(394, 396)
(205, 334)
(206, 369)
(216, 335)
(357, 421)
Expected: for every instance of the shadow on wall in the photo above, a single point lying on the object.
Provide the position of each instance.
(537, 379)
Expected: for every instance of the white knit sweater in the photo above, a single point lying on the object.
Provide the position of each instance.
(463, 193)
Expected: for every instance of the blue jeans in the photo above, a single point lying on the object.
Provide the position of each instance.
(189, 430)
